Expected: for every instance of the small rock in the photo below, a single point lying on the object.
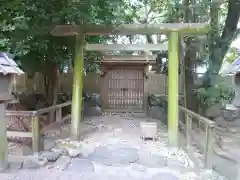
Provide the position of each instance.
(42, 161)
(50, 156)
(81, 166)
(62, 163)
(62, 151)
(73, 152)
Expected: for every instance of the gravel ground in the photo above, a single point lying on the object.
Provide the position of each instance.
(115, 132)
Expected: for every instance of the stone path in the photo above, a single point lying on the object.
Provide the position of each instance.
(113, 151)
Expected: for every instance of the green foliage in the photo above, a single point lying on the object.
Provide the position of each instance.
(25, 26)
(214, 95)
(232, 55)
(219, 93)
(24, 32)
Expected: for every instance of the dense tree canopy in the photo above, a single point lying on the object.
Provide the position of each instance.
(25, 30)
(25, 25)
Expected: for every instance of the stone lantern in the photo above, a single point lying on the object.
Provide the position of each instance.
(8, 69)
(233, 70)
(236, 83)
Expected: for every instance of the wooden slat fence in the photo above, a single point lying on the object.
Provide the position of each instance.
(157, 83)
(35, 134)
(209, 133)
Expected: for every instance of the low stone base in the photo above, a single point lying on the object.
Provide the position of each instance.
(228, 116)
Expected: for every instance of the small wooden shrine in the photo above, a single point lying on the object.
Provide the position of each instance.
(124, 82)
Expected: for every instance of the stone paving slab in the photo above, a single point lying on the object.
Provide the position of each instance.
(119, 156)
(61, 164)
(50, 156)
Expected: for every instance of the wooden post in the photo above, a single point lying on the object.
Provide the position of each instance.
(145, 95)
(173, 58)
(188, 129)
(182, 81)
(58, 114)
(208, 155)
(77, 87)
(35, 134)
(3, 139)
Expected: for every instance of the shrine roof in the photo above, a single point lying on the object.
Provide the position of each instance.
(8, 65)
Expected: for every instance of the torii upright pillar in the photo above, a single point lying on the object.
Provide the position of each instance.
(173, 59)
(77, 101)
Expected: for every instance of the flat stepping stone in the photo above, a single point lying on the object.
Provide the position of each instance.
(152, 160)
(114, 155)
(165, 176)
(74, 152)
(62, 151)
(80, 166)
(50, 156)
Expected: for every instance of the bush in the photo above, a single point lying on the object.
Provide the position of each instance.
(215, 94)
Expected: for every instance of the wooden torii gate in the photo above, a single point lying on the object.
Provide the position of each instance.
(174, 32)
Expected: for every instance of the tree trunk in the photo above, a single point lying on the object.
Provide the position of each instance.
(70, 66)
(214, 48)
(189, 61)
(219, 44)
(230, 28)
(51, 80)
